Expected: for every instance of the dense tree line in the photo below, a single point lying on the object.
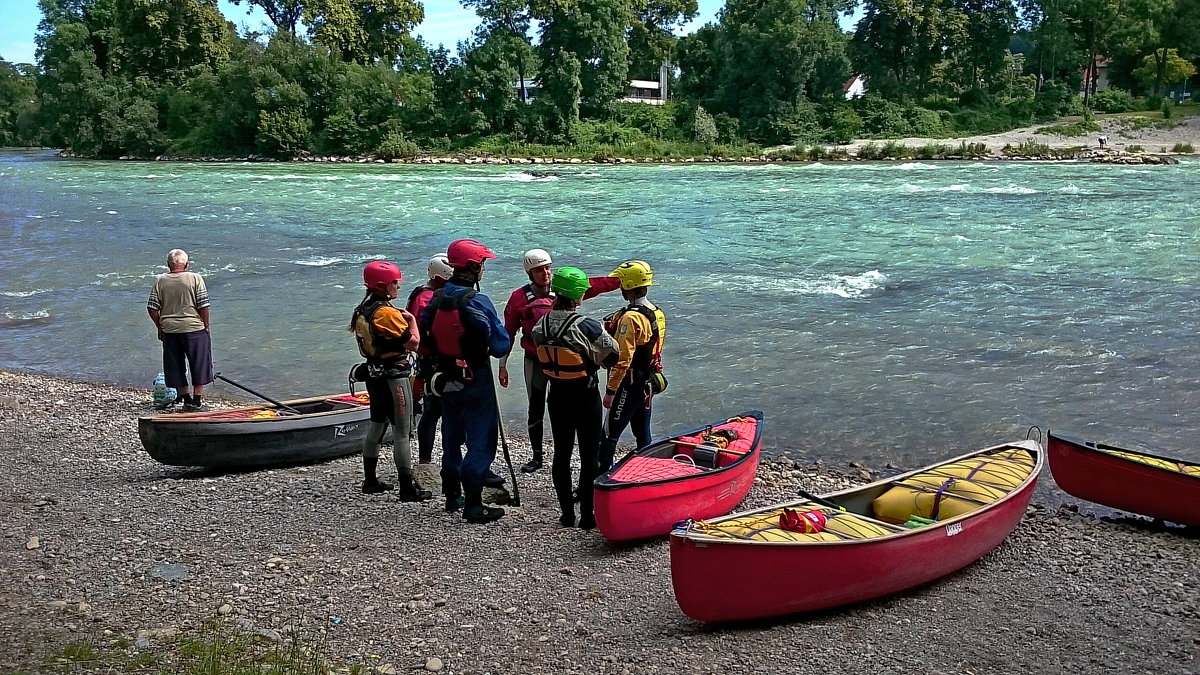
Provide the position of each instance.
(146, 77)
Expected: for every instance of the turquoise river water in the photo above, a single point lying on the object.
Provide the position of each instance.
(882, 311)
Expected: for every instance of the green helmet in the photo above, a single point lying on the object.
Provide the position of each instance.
(570, 282)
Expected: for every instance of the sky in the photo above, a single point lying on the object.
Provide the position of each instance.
(445, 22)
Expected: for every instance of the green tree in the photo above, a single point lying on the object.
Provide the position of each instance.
(764, 62)
(285, 14)
(982, 46)
(1162, 68)
(490, 69)
(167, 39)
(583, 40)
(898, 44)
(651, 35)
(18, 103)
(364, 31)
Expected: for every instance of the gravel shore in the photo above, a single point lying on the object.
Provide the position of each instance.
(100, 542)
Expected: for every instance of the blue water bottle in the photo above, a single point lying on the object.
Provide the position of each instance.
(160, 389)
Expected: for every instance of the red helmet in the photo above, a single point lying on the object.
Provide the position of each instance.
(465, 251)
(377, 275)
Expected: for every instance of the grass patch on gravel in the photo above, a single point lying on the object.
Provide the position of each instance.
(1071, 129)
(216, 649)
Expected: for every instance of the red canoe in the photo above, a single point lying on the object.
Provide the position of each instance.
(703, 473)
(762, 563)
(1138, 482)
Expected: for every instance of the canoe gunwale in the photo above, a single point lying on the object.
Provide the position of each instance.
(1098, 449)
(698, 537)
(207, 418)
(604, 482)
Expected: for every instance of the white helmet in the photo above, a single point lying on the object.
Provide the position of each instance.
(439, 267)
(535, 257)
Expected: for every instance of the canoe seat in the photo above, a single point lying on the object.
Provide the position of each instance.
(721, 445)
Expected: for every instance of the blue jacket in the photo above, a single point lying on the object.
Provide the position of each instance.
(485, 329)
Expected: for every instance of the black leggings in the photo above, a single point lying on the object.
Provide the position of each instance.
(575, 412)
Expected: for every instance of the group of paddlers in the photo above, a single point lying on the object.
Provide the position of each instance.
(431, 360)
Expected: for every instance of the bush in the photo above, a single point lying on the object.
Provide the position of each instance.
(654, 121)
(1053, 100)
(282, 133)
(788, 123)
(1026, 149)
(1114, 101)
(966, 149)
(1184, 148)
(844, 125)
(1166, 110)
(729, 128)
(976, 98)
(1075, 129)
(1134, 148)
(704, 127)
(588, 134)
(396, 146)
(924, 122)
(881, 117)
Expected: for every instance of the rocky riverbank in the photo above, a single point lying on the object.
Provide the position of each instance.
(100, 543)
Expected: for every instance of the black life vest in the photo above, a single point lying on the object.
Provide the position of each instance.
(559, 360)
(374, 347)
(647, 358)
(447, 336)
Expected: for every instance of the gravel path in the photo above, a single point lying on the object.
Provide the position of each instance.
(97, 540)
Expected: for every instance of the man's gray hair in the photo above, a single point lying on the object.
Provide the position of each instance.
(177, 258)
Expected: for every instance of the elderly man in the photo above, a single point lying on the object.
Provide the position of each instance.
(179, 308)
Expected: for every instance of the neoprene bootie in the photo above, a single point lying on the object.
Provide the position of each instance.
(371, 484)
(411, 492)
(492, 479)
(454, 503)
(482, 514)
(533, 464)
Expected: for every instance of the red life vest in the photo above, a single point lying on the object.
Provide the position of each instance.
(448, 329)
(417, 301)
(530, 313)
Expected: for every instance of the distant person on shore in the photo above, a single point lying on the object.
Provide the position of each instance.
(462, 330)
(525, 307)
(428, 407)
(179, 308)
(571, 348)
(1103, 141)
(640, 329)
(386, 337)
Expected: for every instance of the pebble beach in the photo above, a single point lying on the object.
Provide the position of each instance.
(98, 542)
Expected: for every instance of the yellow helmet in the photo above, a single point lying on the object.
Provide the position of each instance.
(634, 274)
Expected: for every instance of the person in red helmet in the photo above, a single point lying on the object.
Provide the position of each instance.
(525, 307)
(386, 337)
(462, 330)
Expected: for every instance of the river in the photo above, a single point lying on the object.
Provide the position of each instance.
(886, 312)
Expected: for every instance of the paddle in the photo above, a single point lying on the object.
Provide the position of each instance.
(818, 500)
(262, 396)
(516, 491)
